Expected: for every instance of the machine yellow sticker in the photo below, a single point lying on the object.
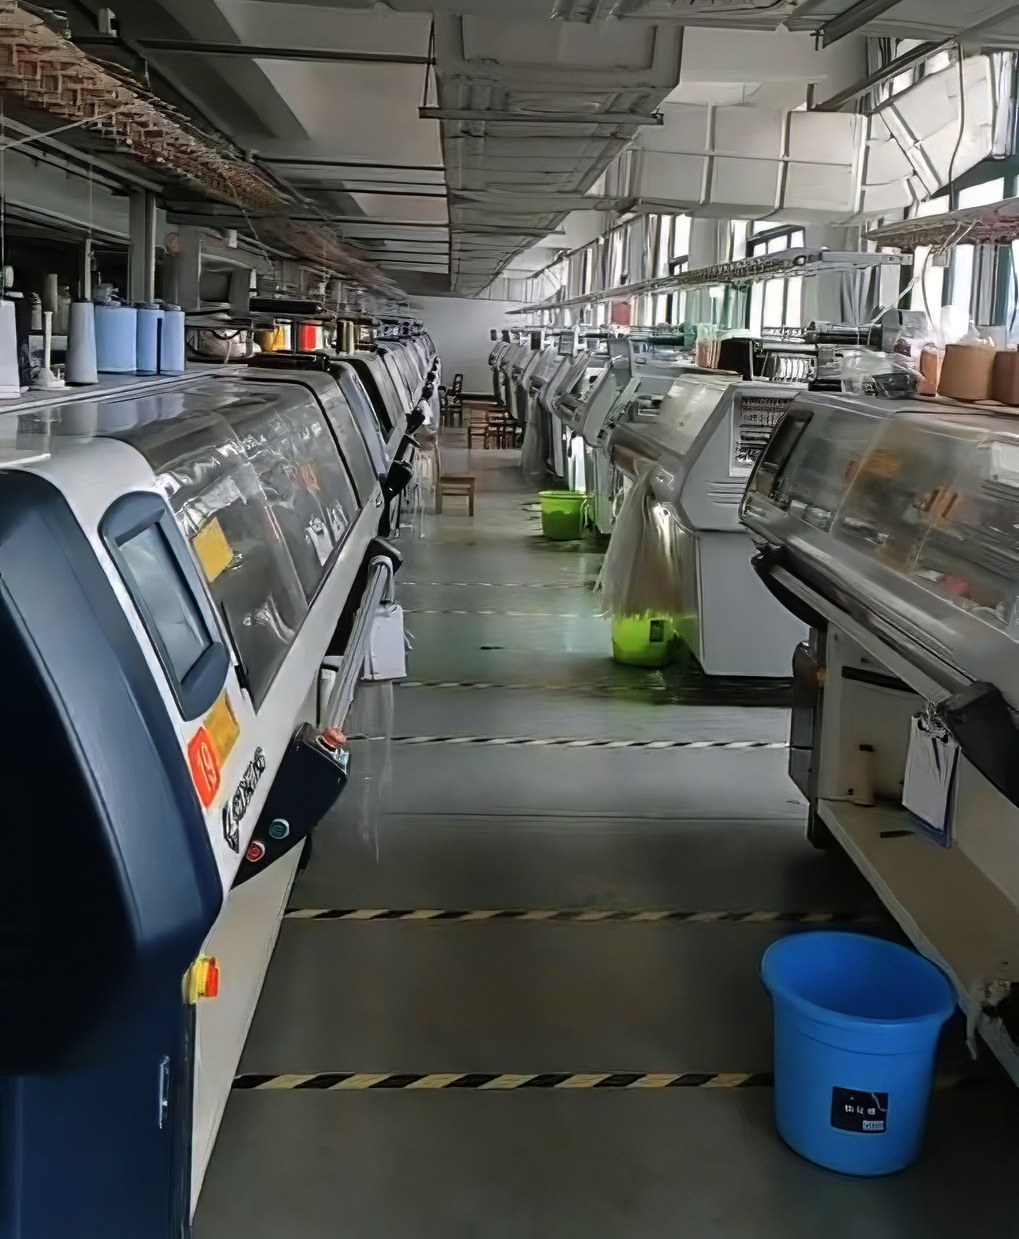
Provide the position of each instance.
(222, 727)
(213, 550)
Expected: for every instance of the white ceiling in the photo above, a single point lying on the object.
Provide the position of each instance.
(396, 183)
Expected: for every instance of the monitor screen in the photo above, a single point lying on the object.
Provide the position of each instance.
(156, 582)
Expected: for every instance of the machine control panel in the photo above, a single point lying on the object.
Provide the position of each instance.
(311, 777)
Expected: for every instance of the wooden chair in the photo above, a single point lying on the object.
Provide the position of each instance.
(456, 484)
(501, 429)
(455, 400)
(477, 427)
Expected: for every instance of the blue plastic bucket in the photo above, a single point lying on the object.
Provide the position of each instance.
(857, 1024)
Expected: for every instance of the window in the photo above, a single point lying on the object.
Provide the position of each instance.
(929, 286)
(765, 237)
(777, 302)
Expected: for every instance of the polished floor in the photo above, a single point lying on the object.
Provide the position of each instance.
(528, 774)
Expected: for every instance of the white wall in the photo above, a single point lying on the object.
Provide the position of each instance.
(460, 326)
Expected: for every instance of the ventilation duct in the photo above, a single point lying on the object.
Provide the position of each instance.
(822, 167)
(531, 116)
(747, 14)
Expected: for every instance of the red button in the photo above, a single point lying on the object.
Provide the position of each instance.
(255, 852)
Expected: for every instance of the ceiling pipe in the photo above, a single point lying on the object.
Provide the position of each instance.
(850, 21)
(542, 118)
(892, 69)
(256, 51)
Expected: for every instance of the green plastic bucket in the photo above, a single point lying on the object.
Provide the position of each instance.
(562, 514)
(644, 640)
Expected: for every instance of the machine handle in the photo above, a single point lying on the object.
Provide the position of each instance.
(380, 588)
(764, 563)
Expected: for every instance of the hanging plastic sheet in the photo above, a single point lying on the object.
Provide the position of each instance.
(369, 726)
(536, 448)
(421, 497)
(643, 569)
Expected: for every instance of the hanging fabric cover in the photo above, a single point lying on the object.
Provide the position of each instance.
(536, 447)
(642, 573)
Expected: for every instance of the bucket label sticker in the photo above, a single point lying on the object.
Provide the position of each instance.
(657, 634)
(854, 1110)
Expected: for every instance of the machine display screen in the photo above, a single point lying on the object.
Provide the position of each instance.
(156, 582)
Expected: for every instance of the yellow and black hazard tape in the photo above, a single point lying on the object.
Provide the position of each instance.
(586, 916)
(350, 1081)
(571, 742)
(341, 1082)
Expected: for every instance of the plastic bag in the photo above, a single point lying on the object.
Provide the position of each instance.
(420, 498)
(369, 725)
(536, 447)
(869, 373)
(643, 572)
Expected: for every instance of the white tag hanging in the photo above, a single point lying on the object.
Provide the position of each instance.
(929, 784)
(387, 650)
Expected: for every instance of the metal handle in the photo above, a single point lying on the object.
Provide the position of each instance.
(380, 588)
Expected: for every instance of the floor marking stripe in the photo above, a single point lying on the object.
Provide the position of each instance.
(586, 916)
(590, 742)
(342, 1082)
(508, 614)
(584, 585)
(697, 693)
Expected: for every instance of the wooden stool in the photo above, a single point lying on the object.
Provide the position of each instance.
(461, 484)
(477, 425)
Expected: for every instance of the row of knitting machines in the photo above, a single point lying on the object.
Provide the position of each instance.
(191, 571)
(866, 545)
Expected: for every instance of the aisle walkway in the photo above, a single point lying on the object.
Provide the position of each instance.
(532, 776)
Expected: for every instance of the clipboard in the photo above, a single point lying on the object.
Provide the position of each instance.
(928, 789)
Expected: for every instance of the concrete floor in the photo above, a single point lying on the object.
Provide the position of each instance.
(486, 826)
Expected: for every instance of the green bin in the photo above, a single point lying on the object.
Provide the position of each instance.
(562, 514)
(644, 640)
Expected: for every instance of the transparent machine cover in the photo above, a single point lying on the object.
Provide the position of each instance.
(913, 511)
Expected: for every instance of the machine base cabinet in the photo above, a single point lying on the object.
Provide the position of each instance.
(959, 904)
(733, 624)
(103, 1150)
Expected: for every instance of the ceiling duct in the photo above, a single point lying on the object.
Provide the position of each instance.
(531, 117)
(823, 167)
(748, 14)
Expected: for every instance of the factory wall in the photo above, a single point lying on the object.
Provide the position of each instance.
(460, 328)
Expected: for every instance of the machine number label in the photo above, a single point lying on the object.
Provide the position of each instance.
(236, 807)
(754, 418)
(857, 1111)
(204, 763)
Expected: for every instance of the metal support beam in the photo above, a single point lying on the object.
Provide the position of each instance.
(547, 118)
(892, 69)
(363, 165)
(258, 51)
(852, 19)
(141, 252)
(338, 187)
